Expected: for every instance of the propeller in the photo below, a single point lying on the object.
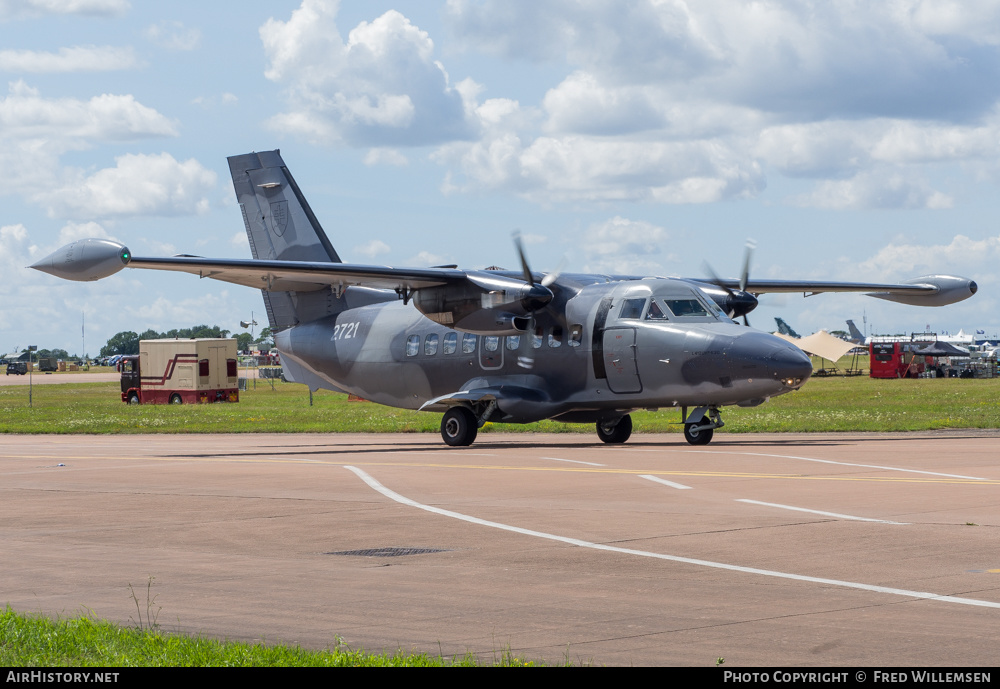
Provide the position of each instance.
(537, 298)
(737, 303)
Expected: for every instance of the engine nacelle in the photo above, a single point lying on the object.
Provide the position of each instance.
(486, 305)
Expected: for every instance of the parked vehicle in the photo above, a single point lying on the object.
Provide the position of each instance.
(175, 371)
(18, 368)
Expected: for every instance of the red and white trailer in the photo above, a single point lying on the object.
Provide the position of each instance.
(176, 371)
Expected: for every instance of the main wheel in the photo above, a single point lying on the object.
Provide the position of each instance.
(133, 398)
(616, 434)
(176, 399)
(458, 427)
(702, 437)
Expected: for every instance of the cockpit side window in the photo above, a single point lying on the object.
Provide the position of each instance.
(632, 308)
(655, 313)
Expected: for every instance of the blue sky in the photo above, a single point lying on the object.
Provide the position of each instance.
(851, 140)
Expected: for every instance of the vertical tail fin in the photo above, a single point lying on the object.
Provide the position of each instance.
(281, 226)
(856, 334)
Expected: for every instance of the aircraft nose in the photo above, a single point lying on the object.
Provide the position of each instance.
(790, 365)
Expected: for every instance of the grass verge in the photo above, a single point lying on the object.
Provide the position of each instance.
(36, 641)
(824, 404)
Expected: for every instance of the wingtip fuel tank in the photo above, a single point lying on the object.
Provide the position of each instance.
(86, 260)
(948, 289)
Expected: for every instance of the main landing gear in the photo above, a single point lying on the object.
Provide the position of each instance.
(615, 432)
(459, 427)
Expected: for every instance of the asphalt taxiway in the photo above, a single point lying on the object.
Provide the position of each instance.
(846, 549)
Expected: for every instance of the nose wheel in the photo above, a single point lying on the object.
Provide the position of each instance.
(700, 425)
(697, 437)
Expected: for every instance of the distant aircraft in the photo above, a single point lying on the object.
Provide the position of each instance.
(493, 345)
(786, 329)
(856, 335)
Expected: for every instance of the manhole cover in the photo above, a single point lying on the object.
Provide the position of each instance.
(388, 552)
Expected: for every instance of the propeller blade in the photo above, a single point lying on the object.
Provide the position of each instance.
(747, 253)
(524, 260)
(550, 278)
(526, 350)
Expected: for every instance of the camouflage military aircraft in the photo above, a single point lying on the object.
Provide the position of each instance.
(495, 345)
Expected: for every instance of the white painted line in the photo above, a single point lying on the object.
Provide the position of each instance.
(825, 514)
(392, 495)
(665, 482)
(574, 461)
(845, 464)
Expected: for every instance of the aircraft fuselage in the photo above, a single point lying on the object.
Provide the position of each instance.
(615, 351)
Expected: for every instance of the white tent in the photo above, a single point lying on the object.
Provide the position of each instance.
(822, 344)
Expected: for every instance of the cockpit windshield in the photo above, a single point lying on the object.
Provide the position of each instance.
(677, 303)
(685, 307)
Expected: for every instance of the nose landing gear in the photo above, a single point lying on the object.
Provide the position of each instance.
(700, 424)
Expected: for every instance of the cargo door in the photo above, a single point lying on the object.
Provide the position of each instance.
(619, 360)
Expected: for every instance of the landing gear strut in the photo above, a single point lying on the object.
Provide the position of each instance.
(616, 432)
(700, 425)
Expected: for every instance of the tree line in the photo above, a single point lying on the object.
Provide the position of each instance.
(127, 342)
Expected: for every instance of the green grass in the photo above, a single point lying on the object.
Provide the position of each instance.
(36, 641)
(824, 404)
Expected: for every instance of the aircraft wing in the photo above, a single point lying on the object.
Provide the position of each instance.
(929, 290)
(302, 276)
(93, 259)
(476, 301)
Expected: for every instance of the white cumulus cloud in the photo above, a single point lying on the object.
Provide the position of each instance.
(624, 246)
(21, 8)
(73, 59)
(138, 185)
(381, 87)
(375, 247)
(173, 35)
(876, 189)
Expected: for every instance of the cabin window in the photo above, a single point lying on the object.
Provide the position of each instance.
(655, 312)
(203, 368)
(412, 345)
(491, 343)
(513, 342)
(575, 335)
(536, 338)
(231, 371)
(686, 307)
(632, 308)
(469, 343)
(450, 343)
(431, 344)
(555, 337)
